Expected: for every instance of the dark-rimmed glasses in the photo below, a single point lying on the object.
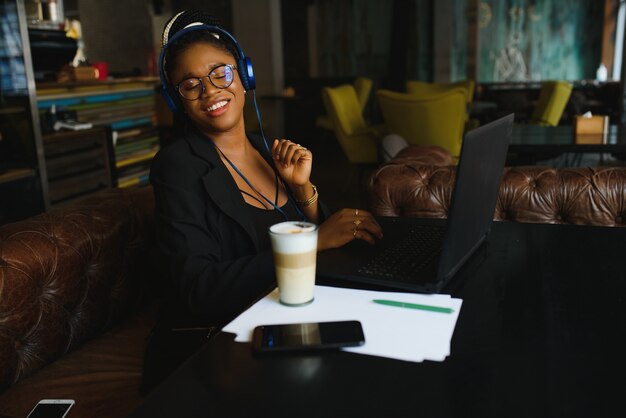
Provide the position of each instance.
(221, 77)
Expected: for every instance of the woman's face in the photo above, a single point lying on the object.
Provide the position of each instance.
(217, 110)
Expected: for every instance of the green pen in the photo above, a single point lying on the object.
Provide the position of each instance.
(413, 306)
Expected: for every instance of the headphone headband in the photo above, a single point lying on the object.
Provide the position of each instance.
(244, 65)
(193, 27)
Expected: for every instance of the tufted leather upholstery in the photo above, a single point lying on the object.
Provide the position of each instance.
(68, 275)
(424, 154)
(584, 196)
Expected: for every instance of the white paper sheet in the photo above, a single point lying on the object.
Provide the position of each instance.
(398, 333)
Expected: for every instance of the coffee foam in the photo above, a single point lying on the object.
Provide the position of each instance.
(293, 237)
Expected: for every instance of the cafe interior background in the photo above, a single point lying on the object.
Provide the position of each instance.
(507, 47)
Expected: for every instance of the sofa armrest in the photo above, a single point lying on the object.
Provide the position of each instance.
(70, 274)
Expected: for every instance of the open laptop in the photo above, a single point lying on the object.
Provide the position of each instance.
(423, 257)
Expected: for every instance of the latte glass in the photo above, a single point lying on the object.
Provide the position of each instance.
(294, 246)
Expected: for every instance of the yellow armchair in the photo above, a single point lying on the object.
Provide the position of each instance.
(553, 98)
(421, 88)
(436, 119)
(356, 138)
(363, 88)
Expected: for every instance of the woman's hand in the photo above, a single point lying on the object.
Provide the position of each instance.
(293, 162)
(346, 225)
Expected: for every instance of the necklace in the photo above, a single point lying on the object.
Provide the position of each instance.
(260, 194)
(272, 204)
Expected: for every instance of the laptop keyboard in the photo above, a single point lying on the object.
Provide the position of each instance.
(400, 262)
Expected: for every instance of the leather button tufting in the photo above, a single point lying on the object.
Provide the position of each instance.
(529, 194)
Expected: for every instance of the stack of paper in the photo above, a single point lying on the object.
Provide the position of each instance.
(394, 332)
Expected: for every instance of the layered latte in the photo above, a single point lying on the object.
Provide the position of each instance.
(294, 245)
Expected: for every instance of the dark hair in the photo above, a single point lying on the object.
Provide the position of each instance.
(178, 23)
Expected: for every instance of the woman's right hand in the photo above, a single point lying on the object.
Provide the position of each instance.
(346, 225)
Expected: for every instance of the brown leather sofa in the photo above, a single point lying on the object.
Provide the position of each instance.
(408, 186)
(77, 301)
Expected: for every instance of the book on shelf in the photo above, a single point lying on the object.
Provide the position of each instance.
(105, 114)
(138, 157)
(137, 178)
(135, 174)
(75, 99)
(136, 134)
(86, 108)
(76, 88)
(131, 147)
(131, 123)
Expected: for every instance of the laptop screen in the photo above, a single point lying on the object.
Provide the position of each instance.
(475, 194)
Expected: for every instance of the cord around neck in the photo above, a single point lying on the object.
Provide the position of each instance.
(278, 181)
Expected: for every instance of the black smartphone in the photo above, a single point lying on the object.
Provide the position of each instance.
(307, 336)
(51, 408)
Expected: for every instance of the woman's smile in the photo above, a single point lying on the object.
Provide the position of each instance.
(217, 109)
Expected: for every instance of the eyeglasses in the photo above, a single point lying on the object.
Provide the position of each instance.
(221, 77)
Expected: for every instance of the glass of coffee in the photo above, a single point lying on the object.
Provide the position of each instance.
(294, 245)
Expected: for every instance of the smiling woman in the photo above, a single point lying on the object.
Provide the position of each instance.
(212, 97)
(218, 190)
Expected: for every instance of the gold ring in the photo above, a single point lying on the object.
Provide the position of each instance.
(354, 233)
(356, 212)
(357, 222)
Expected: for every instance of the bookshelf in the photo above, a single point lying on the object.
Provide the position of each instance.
(23, 181)
(78, 163)
(125, 106)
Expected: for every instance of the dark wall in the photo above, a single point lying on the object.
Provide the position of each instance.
(220, 8)
(295, 39)
(119, 33)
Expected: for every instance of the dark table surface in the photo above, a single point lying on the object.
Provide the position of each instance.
(542, 333)
(530, 143)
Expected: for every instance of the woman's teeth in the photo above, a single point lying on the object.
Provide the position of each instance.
(217, 105)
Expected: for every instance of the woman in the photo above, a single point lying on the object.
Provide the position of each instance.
(217, 189)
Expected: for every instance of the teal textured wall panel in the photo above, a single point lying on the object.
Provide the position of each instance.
(458, 60)
(521, 40)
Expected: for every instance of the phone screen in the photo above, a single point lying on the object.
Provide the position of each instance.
(50, 409)
(317, 335)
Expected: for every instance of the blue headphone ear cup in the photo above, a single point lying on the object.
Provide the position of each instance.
(246, 73)
(171, 102)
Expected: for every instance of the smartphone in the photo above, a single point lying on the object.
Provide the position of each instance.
(51, 408)
(307, 336)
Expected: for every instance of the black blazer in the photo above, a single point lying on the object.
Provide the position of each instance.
(208, 240)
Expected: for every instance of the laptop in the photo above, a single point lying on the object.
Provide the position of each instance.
(421, 256)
